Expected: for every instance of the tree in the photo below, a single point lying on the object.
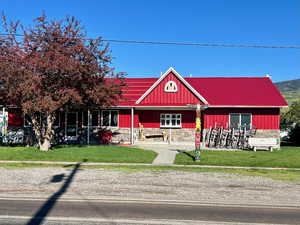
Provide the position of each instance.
(290, 121)
(53, 66)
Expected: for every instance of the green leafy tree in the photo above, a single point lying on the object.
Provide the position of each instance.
(290, 120)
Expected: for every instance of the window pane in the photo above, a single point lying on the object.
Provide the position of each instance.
(162, 122)
(57, 119)
(178, 122)
(174, 122)
(162, 115)
(114, 119)
(62, 118)
(27, 120)
(246, 120)
(85, 118)
(71, 119)
(105, 118)
(167, 122)
(234, 120)
(178, 116)
(173, 116)
(94, 116)
(167, 116)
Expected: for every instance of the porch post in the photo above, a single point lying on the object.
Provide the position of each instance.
(66, 116)
(3, 125)
(88, 128)
(132, 126)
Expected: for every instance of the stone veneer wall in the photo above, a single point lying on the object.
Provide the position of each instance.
(121, 135)
(177, 134)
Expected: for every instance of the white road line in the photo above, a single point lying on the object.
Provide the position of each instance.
(132, 221)
(165, 202)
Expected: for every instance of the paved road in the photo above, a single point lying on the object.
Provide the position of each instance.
(90, 211)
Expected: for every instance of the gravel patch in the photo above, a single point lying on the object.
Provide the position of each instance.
(205, 187)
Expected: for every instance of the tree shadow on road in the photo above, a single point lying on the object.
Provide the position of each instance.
(45, 209)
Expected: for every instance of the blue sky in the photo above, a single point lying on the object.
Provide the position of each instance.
(261, 22)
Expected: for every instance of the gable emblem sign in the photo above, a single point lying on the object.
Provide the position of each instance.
(170, 86)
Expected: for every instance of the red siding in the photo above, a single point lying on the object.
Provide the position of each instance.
(158, 96)
(125, 118)
(15, 118)
(268, 119)
(151, 119)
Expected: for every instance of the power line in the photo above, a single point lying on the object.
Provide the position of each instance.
(201, 44)
(183, 43)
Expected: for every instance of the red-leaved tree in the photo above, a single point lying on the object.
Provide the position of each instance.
(53, 66)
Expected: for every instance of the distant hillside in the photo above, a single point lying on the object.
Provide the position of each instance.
(290, 89)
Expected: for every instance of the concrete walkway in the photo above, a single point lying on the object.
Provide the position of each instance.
(166, 152)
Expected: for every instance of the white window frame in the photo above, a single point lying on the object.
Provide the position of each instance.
(170, 120)
(168, 84)
(240, 118)
(109, 118)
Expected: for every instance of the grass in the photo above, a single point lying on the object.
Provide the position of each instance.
(288, 157)
(281, 175)
(119, 154)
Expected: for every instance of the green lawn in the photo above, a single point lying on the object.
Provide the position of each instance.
(286, 157)
(120, 154)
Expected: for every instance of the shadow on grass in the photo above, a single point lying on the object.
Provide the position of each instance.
(45, 209)
(189, 155)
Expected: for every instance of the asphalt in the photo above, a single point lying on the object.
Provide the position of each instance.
(37, 211)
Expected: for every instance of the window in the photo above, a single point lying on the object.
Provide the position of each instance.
(170, 120)
(238, 120)
(109, 118)
(57, 119)
(94, 118)
(170, 86)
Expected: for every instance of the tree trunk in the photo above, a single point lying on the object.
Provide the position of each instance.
(44, 131)
(45, 145)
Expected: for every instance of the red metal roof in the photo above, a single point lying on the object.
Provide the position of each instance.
(238, 91)
(218, 91)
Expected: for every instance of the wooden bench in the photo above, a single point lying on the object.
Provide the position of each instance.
(269, 143)
(142, 136)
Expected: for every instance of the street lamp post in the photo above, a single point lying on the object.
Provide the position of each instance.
(198, 133)
(198, 108)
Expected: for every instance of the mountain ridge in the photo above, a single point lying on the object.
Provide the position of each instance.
(290, 89)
